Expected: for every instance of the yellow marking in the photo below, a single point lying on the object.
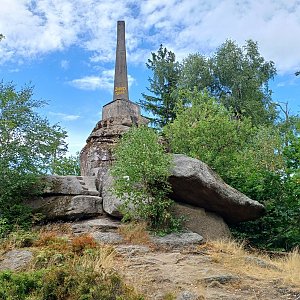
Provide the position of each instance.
(120, 90)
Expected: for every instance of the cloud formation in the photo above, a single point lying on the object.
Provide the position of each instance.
(104, 82)
(37, 27)
(65, 117)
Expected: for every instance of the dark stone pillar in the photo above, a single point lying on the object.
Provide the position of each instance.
(121, 81)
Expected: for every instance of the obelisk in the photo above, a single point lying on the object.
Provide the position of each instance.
(117, 118)
(121, 106)
(121, 80)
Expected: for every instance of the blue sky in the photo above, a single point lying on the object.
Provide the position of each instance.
(66, 48)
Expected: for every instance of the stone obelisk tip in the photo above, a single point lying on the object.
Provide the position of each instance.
(121, 80)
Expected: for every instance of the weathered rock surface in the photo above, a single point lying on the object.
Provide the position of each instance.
(107, 237)
(187, 295)
(220, 278)
(131, 250)
(70, 185)
(193, 182)
(67, 207)
(96, 157)
(111, 203)
(100, 224)
(178, 239)
(16, 260)
(209, 225)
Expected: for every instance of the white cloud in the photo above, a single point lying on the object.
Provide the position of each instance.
(37, 27)
(65, 117)
(104, 82)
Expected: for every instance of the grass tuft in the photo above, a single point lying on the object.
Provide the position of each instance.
(135, 233)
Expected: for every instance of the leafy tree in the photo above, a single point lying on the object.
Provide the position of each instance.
(166, 73)
(67, 165)
(237, 76)
(28, 144)
(141, 174)
(197, 73)
(206, 130)
(253, 159)
(1, 36)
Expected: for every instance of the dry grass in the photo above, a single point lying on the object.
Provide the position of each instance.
(59, 228)
(235, 259)
(290, 266)
(135, 233)
(102, 259)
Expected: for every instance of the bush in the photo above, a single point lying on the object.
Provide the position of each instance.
(141, 174)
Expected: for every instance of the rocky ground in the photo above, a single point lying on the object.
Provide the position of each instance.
(184, 267)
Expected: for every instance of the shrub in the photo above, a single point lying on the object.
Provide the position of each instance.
(141, 174)
(82, 242)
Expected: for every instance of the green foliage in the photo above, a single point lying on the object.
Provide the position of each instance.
(19, 285)
(279, 228)
(230, 146)
(28, 145)
(223, 114)
(141, 171)
(254, 159)
(166, 73)
(67, 165)
(69, 280)
(237, 76)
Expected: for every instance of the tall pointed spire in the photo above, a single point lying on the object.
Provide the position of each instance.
(121, 81)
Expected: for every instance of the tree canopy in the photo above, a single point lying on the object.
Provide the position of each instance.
(237, 76)
(166, 72)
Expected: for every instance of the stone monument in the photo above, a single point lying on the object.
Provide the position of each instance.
(117, 117)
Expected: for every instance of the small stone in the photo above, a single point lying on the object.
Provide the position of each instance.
(207, 224)
(226, 278)
(187, 295)
(107, 237)
(260, 262)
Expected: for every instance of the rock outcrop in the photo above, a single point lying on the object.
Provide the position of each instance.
(70, 185)
(97, 155)
(194, 183)
(68, 198)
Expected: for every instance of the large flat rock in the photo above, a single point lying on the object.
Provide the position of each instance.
(194, 183)
(67, 207)
(70, 185)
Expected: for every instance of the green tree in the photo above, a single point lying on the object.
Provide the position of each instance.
(141, 174)
(161, 102)
(27, 146)
(254, 159)
(206, 130)
(67, 165)
(237, 76)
